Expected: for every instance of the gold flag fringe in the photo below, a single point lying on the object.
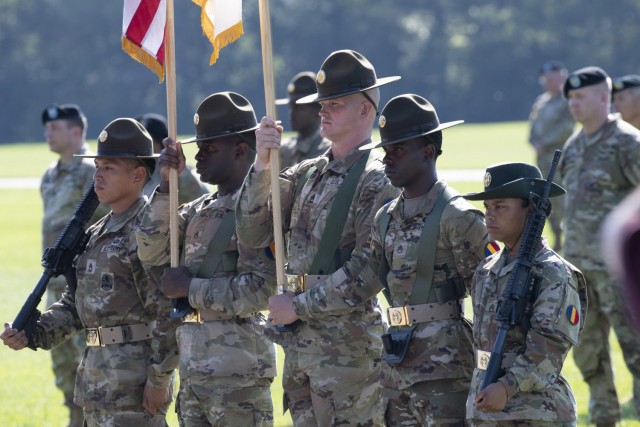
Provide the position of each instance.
(229, 35)
(144, 57)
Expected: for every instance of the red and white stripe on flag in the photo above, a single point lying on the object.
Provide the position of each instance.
(221, 22)
(143, 32)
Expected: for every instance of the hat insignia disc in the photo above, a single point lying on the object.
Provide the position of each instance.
(487, 180)
(103, 136)
(321, 77)
(382, 121)
(196, 119)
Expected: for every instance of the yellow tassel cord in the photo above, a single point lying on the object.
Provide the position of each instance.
(144, 57)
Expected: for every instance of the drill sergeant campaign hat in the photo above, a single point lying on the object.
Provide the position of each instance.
(584, 77)
(343, 73)
(302, 84)
(513, 181)
(406, 117)
(61, 112)
(224, 114)
(625, 82)
(126, 138)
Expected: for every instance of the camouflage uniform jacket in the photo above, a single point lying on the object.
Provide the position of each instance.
(354, 331)
(598, 171)
(224, 348)
(114, 290)
(294, 150)
(536, 390)
(439, 349)
(189, 185)
(61, 188)
(551, 122)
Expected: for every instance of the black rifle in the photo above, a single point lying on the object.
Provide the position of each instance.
(514, 303)
(58, 260)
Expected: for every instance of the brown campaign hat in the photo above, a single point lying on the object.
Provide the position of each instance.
(124, 138)
(224, 114)
(302, 84)
(513, 181)
(345, 72)
(406, 117)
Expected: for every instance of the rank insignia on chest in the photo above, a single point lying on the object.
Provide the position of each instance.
(491, 248)
(573, 315)
(106, 282)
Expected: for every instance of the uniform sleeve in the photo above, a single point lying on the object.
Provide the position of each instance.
(237, 294)
(629, 158)
(58, 323)
(555, 326)
(344, 288)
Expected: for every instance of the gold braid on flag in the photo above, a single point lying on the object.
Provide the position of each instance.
(221, 22)
(137, 53)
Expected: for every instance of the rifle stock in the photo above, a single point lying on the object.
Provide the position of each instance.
(513, 303)
(59, 259)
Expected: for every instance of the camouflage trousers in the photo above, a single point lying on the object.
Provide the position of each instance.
(529, 423)
(429, 403)
(606, 308)
(323, 390)
(225, 402)
(65, 357)
(124, 417)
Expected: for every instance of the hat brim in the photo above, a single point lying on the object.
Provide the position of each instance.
(315, 98)
(211, 137)
(117, 156)
(520, 188)
(378, 144)
(282, 101)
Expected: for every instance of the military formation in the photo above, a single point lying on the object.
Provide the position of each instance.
(361, 219)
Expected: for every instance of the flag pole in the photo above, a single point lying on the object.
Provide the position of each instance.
(269, 95)
(170, 70)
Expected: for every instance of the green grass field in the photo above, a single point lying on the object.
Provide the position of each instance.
(28, 396)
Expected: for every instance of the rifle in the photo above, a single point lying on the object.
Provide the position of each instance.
(58, 260)
(514, 303)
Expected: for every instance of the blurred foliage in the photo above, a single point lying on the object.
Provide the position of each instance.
(475, 60)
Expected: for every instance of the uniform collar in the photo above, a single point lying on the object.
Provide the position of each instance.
(342, 165)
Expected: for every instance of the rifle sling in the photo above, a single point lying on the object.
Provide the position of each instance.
(217, 246)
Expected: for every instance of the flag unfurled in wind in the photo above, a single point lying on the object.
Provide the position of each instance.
(221, 22)
(143, 32)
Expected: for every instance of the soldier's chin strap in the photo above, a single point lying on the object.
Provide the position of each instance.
(375, 107)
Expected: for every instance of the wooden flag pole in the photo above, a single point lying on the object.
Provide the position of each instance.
(269, 95)
(170, 70)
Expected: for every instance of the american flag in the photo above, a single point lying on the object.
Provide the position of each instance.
(143, 32)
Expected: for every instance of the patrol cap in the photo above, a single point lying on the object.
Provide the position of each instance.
(584, 77)
(405, 117)
(302, 84)
(343, 73)
(224, 114)
(625, 82)
(124, 138)
(550, 66)
(155, 124)
(60, 112)
(513, 181)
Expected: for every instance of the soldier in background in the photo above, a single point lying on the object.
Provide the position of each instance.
(62, 186)
(189, 186)
(332, 361)
(551, 124)
(600, 166)
(126, 375)
(626, 98)
(532, 391)
(226, 363)
(304, 119)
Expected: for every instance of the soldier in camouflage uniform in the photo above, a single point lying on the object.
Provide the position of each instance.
(532, 391)
(126, 375)
(626, 98)
(551, 124)
(226, 364)
(304, 118)
(423, 387)
(600, 166)
(61, 188)
(189, 186)
(332, 361)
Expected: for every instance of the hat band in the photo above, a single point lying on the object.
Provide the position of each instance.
(351, 88)
(222, 133)
(414, 131)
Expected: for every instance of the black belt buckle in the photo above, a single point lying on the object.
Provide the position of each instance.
(181, 308)
(290, 327)
(396, 344)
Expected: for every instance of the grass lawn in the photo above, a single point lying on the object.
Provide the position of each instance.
(28, 396)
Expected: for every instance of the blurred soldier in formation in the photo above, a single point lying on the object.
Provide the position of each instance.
(626, 98)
